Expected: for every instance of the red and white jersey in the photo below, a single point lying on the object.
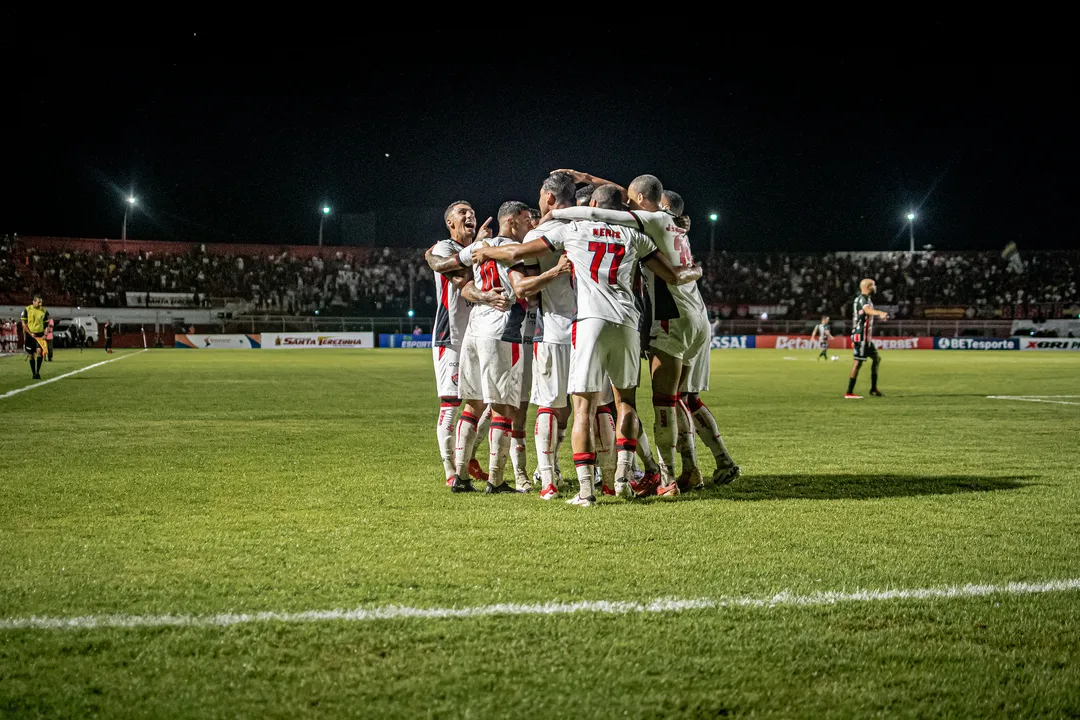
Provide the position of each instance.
(686, 257)
(668, 301)
(604, 257)
(558, 306)
(487, 321)
(451, 310)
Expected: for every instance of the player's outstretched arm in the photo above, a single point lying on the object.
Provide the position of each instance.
(611, 217)
(672, 275)
(587, 179)
(473, 294)
(441, 264)
(526, 287)
(509, 254)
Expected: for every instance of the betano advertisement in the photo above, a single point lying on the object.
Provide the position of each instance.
(317, 341)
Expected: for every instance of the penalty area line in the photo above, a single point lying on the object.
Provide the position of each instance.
(16, 391)
(670, 605)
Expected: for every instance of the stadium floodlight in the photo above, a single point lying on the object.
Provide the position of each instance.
(322, 219)
(411, 313)
(714, 217)
(712, 232)
(130, 204)
(911, 216)
(911, 229)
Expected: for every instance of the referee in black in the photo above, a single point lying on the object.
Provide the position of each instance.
(108, 336)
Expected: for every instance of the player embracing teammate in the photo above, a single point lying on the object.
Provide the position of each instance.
(605, 347)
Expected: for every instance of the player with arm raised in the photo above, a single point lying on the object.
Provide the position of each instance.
(455, 294)
(822, 336)
(693, 414)
(863, 313)
(680, 326)
(604, 338)
(491, 362)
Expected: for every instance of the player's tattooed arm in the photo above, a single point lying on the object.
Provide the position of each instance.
(528, 286)
(510, 254)
(582, 178)
(672, 275)
(473, 294)
(441, 264)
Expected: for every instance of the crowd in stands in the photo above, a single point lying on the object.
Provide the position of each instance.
(363, 281)
(825, 283)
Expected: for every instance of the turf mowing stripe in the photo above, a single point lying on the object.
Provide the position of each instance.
(395, 612)
(1035, 398)
(16, 391)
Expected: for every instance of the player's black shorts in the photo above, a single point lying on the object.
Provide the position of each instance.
(865, 349)
(30, 343)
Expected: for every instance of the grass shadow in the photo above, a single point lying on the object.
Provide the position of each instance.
(854, 486)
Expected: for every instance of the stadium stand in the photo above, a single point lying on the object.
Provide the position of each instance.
(383, 282)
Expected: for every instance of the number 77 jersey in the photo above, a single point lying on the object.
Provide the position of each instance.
(604, 258)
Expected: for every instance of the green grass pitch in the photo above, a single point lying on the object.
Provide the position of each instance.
(195, 483)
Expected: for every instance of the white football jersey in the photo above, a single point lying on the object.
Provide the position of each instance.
(604, 257)
(555, 313)
(487, 321)
(451, 310)
(668, 301)
(686, 257)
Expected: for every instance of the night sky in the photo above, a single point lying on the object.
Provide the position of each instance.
(796, 156)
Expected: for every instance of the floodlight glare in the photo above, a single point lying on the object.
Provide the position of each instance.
(713, 217)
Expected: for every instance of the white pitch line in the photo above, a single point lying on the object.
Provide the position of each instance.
(1035, 398)
(397, 612)
(16, 391)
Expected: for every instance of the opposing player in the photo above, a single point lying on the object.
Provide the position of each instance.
(604, 337)
(863, 313)
(34, 318)
(491, 362)
(693, 414)
(455, 294)
(680, 322)
(822, 336)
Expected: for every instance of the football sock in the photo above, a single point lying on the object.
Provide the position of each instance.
(445, 432)
(644, 450)
(498, 448)
(465, 444)
(33, 365)
(545, 445)
(873, 374)
(517, 452)
(851, 386)
(483, 425)
(605, 438)
(685, 444)
(708, 431)
(627, 449)
(664, 430)
(585, 463)
(560, 435)
(40, 359)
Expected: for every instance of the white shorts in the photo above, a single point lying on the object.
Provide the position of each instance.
(491, 370)
(551, 371)
(698, 381)
(682, 337)
(601, 350)
(446, 370)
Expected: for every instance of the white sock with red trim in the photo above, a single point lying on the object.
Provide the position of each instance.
(605, 445)
(686, 444)
(498, 447)
(517, 453)
(545, 446)
(664, 432)
(466, 443)
(445, 432)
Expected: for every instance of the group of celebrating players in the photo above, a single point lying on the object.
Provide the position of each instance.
(561, 302)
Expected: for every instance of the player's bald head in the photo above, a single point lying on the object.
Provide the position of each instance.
(866, 285)
(608, 197)
(645, 190)
(673, 201)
